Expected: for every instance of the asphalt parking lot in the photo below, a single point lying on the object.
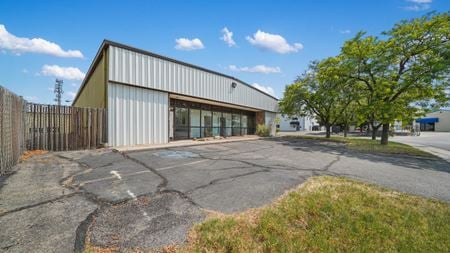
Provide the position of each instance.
(149, 199)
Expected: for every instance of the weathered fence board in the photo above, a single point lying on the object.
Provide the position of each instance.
(47, 127)
(59, 128)
(12, 123)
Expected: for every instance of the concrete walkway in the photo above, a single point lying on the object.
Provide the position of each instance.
(186, 143)
(437, 143)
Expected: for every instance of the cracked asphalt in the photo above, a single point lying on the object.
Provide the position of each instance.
(67, 201)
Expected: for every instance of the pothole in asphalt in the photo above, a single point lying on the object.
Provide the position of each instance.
(145, 223)
(176, 154)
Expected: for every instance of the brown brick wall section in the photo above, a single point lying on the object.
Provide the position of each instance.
(260, 120)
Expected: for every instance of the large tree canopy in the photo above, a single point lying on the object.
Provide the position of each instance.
(409, 65)
(326, 98)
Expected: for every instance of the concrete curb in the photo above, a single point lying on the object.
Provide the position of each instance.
(184, 144)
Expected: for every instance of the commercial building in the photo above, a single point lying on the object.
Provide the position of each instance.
(152, 99)
(438, 121)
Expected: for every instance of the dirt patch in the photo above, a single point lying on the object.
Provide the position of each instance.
(144, 224)
(28, 154)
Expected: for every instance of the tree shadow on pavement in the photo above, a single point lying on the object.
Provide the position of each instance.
(414, 162)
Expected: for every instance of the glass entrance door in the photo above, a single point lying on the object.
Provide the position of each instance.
(181, 129)
(206, 123)
(222, 126)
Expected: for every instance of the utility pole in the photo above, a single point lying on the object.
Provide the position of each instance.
(58, 91)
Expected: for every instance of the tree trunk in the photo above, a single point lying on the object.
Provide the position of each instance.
(345, 131)
(385, 134)
(328, 128)
(374, 132)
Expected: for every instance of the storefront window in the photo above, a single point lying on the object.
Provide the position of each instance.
(196, 120)
(244, 125)
(227, 127)
(236, 124)
(195, 123)
(216, 123)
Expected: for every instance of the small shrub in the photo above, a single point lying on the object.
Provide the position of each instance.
(262, 130)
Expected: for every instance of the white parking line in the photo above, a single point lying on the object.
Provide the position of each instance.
(176, 166)
(116, 175)
(144, 213)
(132, 195)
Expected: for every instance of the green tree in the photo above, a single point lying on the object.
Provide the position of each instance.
(324, 97)
(409, 66)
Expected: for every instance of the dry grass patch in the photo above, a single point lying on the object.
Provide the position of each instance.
(331, 214)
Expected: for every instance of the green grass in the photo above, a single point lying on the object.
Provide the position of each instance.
(371, 146)
(328, 214)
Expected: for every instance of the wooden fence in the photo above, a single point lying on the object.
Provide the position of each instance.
(59, 128)
(12, 129)
(30, 126)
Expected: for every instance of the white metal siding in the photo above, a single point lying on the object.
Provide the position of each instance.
(136, 116)
(270, 121)
(130, 67)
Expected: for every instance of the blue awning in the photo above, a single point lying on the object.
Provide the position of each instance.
(427, 120)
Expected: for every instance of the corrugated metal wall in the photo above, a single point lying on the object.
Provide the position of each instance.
(137, 116)
(126, 66)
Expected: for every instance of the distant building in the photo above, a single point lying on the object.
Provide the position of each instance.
(296, 123)
(438, 121)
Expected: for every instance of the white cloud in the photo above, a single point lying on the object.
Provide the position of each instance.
(25, 71)
(188, 45)
(19, 45)
(346, 31)
(71, 94)
(227, 36)
(419, 5)
(256, 69)
(31, 98)
(266, 89)
(273, 42)
(69, 73)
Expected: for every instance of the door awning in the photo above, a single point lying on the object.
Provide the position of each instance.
(427, 120)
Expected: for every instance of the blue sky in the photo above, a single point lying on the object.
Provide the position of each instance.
(272, 41)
